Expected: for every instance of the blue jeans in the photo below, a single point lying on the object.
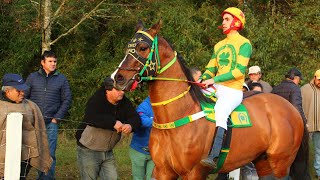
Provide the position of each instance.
(142, 165)
(52, 133)
(316, 142)
(94, 164)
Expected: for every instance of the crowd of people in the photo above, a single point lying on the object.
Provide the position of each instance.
(45, 98)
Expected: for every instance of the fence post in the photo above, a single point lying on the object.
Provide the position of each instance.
(13, 146)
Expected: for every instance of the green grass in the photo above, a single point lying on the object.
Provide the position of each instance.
(66, 154)
(67, 159)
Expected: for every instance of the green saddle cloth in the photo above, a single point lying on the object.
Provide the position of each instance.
(239, 117)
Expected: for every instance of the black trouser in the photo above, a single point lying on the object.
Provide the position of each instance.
(25, 168)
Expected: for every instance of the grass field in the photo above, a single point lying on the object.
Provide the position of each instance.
(67, 168)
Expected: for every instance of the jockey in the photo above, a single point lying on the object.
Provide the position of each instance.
(226, 72)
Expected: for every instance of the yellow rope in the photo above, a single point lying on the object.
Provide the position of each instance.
(172, 99)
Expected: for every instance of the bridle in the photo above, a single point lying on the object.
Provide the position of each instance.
(150, 66)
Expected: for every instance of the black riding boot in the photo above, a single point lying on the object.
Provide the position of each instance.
(211, 160)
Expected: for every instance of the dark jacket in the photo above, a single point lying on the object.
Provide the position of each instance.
(50, 92)
(291, 92)
(101, 113)
(34, 146)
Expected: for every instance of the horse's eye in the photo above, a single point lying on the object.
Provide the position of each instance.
(143, 48)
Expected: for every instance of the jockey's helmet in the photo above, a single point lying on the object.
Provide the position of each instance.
(239, 18)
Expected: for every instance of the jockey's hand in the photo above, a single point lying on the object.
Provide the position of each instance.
(208, 82)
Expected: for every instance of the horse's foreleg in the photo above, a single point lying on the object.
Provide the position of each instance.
(163, 173)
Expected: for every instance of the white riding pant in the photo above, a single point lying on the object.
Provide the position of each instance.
(227, 100)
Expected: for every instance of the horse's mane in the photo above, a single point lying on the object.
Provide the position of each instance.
(195, 90)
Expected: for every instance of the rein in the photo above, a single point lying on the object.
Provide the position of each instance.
(172, 99)
(151, 64)
(151, 67)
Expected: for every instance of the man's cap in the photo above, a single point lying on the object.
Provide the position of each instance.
(254, 70)
(14, 80)
(108, 83)
(293, 72)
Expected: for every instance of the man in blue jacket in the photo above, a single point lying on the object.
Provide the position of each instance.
(50, 90)
(142, 164)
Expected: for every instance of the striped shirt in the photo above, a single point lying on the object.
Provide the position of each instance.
(229, 61)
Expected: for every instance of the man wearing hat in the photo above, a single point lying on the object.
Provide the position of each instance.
(311, 106)
(255, 75)
(290, 90)
(226, 72)
(108, 113)
(35, 150)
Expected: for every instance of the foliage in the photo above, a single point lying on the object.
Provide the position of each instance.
(283, 34)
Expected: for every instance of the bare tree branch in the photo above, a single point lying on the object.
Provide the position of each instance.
(55, 15)
(35, 5)
(75, 26)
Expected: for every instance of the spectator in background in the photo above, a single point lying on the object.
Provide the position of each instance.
(245, 87)
(142, 164)
(35, 150)
(311, 107)
(108, 113)
(255, 86)
(289, 89)
(255, 75)
(50, 90)
(196, 73)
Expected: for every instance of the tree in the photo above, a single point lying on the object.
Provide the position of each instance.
(49, 20)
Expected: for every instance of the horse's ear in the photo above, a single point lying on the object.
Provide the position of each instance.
(139, 26)
(155, 29)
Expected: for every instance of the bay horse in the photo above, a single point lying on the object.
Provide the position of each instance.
(271, 143)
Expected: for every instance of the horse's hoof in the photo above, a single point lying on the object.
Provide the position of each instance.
(209, 163)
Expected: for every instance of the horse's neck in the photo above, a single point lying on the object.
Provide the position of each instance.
(165, 91)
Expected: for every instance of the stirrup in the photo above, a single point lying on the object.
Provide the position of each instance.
(210, 162)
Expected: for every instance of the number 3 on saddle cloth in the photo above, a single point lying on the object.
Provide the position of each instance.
(239, 118)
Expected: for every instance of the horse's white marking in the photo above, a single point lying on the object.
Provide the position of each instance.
(115, 72)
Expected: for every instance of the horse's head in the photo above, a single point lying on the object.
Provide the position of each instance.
(141, 59)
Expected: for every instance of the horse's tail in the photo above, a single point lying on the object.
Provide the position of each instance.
(300, 166)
